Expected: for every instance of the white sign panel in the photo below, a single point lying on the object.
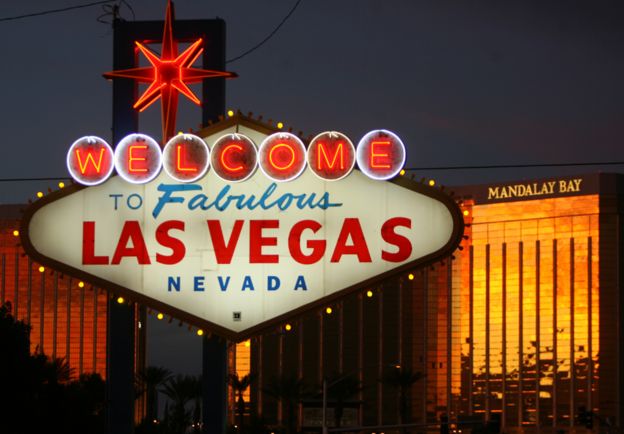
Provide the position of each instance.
(235, 257)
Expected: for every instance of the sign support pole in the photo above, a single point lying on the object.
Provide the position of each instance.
(214, 350)
(121, 318)
(214, 385)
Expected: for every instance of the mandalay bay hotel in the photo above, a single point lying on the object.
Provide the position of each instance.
(522, 326)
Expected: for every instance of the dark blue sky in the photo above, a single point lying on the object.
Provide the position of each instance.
(462, 83)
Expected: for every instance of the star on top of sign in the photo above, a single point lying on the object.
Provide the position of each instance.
(168, 75)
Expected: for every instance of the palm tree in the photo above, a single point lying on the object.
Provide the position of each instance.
(197, 395)
(340, 389)
(59, 369)
(290, 390)
(181, 390)
(149, 380)
(239, 385)
(402, 379)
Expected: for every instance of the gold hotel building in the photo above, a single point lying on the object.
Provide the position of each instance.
(523, 325)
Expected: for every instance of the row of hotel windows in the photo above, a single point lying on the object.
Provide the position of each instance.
(511, 327)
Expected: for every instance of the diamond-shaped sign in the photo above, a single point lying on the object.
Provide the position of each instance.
(237, 257)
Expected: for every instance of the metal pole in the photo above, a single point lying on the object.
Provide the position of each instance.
(120, 333)
(324, 422)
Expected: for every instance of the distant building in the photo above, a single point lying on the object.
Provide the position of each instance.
(522, 326)
(68, 318)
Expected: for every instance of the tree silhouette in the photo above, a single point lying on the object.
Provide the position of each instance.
(38, 394)
(149, 381)
(181, 390)
(239, 385)
(340, 389)
(290, 391)
(402, 379)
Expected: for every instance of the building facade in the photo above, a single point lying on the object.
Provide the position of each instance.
(67, 318)
(522, 326)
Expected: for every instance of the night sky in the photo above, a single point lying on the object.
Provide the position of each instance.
(462, 83)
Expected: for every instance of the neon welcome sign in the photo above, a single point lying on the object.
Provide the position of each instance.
(234, 157)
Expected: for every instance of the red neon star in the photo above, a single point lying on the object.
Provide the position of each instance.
(168, 75)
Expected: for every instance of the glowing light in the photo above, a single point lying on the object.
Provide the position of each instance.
(288, 327)
(16, 233)
(132, 157)
(328, 310)
(41, 269)
(380, 154)
(410, 276)
(179, 165)
(280, 125)
(331, 156)
(431, 182)
(80, 284)
(160, 316)
(186, 158)
(230, 113)
(39, 194)
(200, 332)
(466, 212)
(90, 161)
(247, 343)
(168, 75)
(322, 156)
(402, 172)
(61, 184)
(376, 154)
(369, 293)
(282, 157)
(234, 157)
(132, 150)
(274, 163)
(224, 163)
(120, 300)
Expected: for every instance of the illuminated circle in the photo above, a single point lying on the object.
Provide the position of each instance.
(200, 332)
(186, 158)
(16, 233)
(120, 300)
(380, 154)
(41, 269)
(369, 293)
(331, 155)
(282, 157)
(138, 158)
(80, 284)
(160, 316)
(90, 160)
(234, 157)
(288, 327)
